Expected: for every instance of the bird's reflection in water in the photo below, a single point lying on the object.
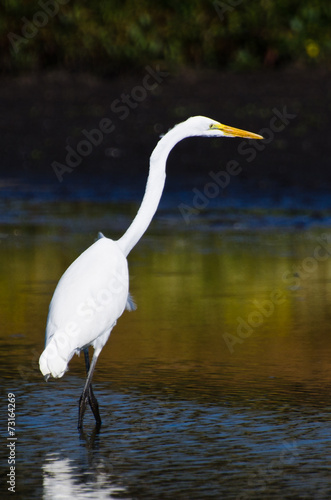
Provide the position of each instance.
(62, 479)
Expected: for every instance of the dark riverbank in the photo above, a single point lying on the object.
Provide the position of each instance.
(45, 117)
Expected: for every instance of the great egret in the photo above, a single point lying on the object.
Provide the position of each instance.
(94, 291)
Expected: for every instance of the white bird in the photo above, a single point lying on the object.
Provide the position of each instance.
(94, 291)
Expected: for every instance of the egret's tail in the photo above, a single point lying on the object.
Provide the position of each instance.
(54, 360)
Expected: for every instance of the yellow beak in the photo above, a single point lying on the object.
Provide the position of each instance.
(235, 132)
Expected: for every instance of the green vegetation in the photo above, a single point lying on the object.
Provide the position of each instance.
(113, 36)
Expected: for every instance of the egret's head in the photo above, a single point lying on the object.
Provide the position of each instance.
(206, 127)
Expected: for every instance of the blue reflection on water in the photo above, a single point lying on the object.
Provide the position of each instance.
(169, 447)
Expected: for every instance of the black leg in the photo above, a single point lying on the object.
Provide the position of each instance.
(87, 360)
(87, 394)
(94, 406)
(91, 398)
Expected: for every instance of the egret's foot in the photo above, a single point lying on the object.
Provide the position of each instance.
(92, 400)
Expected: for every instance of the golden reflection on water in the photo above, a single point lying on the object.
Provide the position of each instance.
(217, 386)
(218, 313)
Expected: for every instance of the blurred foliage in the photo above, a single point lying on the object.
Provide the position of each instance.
(108, 37)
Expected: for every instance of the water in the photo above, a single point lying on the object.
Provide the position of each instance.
(218, 386)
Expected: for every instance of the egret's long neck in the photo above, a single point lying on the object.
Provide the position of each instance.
(154, 189)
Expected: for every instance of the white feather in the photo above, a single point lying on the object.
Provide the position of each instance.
(90, 296)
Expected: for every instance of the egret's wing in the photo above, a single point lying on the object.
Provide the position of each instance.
(88, 300)
(130, 304)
